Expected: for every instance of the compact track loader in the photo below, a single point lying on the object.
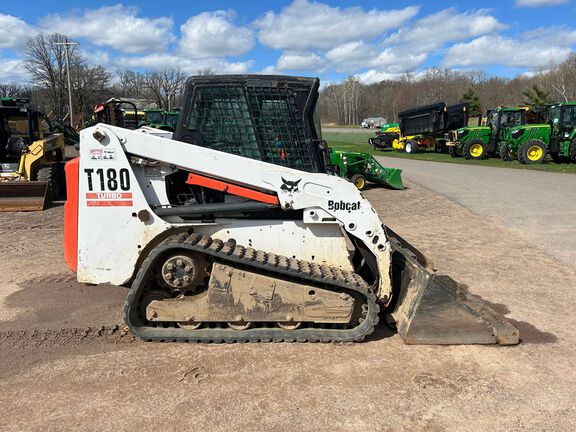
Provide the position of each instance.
(233, 231)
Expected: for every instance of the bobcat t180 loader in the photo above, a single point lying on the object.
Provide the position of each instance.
(224, 235)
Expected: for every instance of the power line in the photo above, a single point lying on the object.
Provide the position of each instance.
(36, 25)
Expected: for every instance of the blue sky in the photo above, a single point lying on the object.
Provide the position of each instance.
(331, 39)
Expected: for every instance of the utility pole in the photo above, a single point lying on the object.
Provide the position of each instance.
(67, 46)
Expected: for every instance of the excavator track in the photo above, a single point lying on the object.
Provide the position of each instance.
(230, 253)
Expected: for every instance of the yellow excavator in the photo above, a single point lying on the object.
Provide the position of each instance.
(31, 158)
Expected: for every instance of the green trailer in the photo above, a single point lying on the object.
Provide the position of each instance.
(361, 168)
(531, 144)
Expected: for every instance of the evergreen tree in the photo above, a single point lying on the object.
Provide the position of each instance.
(536, 97)
(472, 99)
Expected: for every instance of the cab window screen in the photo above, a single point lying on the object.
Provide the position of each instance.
(261, 123)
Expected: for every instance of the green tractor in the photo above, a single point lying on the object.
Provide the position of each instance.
(160, 119)
(479, 142)
(170, 119)
(152, 117)
(360, 168)
(530, 144)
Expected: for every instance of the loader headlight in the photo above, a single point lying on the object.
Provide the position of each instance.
(462, 133)
(518, 133)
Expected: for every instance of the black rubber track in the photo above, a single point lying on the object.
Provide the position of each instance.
(229, 252)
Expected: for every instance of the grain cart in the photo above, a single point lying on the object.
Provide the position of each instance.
(225, 236)
(361, 168)
(31, 158)
(479, 142)
(557, 137)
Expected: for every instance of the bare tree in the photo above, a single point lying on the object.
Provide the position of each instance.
(90, 84)
(131, 84)
(46, 62)
(13, 90)
(165, 85)
(206, 71)
(563, 78)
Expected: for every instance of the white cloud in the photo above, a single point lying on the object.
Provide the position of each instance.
(189, 66)
(300, 62)
(15, 32)
(408, 48)
(374, 76)
(269, 70)
(12, 71)
(303, 25)
(212, 34)
(98, 57)
(536, 3)
(434, 31)
(357, 55)
(351, 54)
(533, 49)
(117, 26)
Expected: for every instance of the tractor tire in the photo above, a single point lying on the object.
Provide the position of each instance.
(532, 152)
(572, 151)
(475, 149)
(505, 152)
(376, 143)
(411, 146)
(440, 147)
(48, 174)
(453, 152)
(359, 181)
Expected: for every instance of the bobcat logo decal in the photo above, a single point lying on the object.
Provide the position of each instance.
(290, 186)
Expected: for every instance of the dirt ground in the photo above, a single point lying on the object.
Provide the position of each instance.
(67, 363)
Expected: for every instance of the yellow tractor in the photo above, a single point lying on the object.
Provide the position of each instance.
(31, 158)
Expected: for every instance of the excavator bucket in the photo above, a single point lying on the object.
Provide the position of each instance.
(24, 196)
(437, 310)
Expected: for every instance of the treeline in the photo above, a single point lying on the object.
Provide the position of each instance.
(345, 103)
(351, 101)
(45, 61)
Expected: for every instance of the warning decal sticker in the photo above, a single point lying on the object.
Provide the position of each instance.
(102, 154)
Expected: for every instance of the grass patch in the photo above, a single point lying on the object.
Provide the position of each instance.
(357, 141)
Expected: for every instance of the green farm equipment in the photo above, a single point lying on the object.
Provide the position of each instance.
(479, 142)
(361, 168)
(159, 119)
(152, 117)
(530, 144)
(170, 119)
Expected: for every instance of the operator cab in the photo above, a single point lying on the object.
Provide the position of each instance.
(20, 126)
(269, 118)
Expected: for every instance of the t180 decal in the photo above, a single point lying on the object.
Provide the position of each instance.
(106, 187)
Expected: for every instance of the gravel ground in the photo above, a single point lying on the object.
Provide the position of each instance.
(539, 206)
(68, 364)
